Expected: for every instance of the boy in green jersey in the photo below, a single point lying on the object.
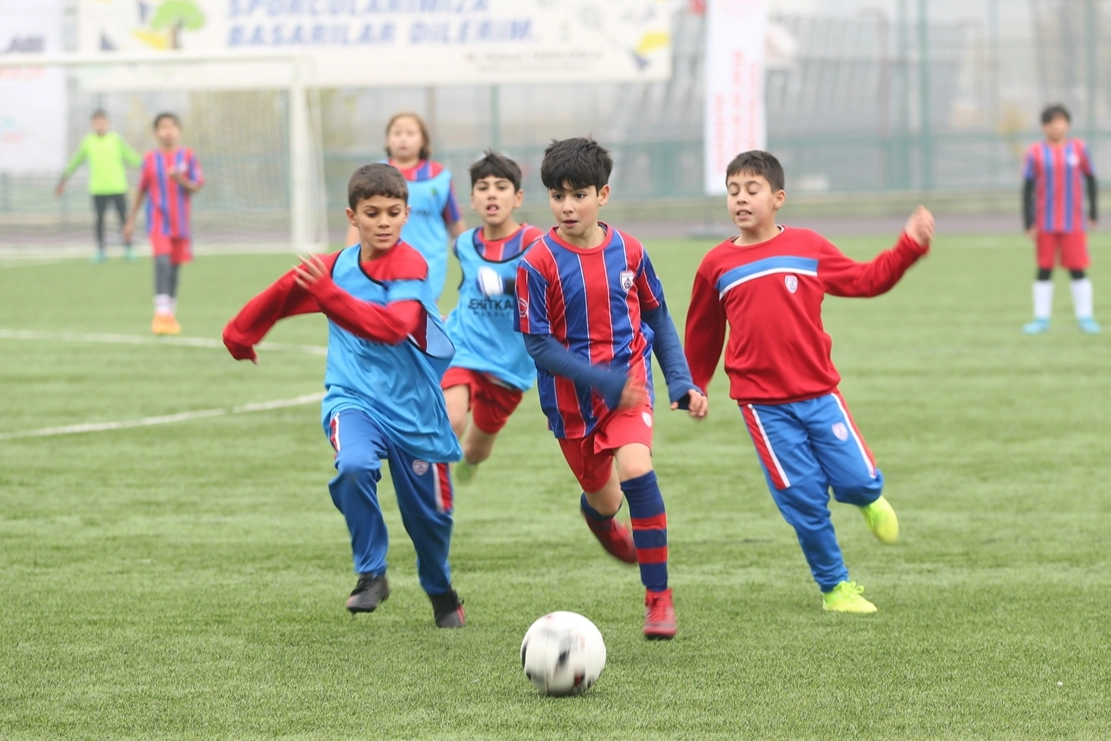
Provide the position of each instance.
(108, 155)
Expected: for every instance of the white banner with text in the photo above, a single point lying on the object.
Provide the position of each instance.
(735, 118)
(376, 43)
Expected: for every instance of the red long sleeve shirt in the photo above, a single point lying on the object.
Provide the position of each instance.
(770, 296)
(390, 324)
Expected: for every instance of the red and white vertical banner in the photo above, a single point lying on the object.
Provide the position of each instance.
(735, 116)
(32, 99)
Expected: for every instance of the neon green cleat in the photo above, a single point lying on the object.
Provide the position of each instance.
(845, 597)
(464, 472)
(881, 520)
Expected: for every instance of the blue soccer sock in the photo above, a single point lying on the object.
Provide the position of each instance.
(595, 520)
(646, 508)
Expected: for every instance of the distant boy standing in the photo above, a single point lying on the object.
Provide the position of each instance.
(766, 285)
(387, 351)
(108, 156)
(585, 293)
(170, 176)
(1054, 175)
(491, 368)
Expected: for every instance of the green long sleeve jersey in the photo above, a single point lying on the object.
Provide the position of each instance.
(108, 157)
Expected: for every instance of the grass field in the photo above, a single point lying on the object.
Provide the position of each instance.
(188, 578)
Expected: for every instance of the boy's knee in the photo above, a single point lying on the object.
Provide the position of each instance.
(633, 461)
(863, 491)
(358, 466)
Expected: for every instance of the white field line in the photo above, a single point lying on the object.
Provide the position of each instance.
(29, 263)
(165, 419)
(128, 339)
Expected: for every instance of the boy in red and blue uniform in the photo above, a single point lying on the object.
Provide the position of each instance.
(169, 177)
(387, 350)
(766, 286)
(592, 310)
(1054, 176)
(491, 369)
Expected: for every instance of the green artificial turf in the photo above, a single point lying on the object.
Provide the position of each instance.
(187, 579)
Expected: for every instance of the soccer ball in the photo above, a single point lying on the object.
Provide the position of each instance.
(563, 654)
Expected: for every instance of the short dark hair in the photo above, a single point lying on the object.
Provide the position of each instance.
(377, 179)
(579, 163)
(99, 113)
(758, 162)
(158, 119)
(1051, 112)
(498, 165)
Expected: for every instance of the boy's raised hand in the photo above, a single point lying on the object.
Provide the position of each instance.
(920, 226)
(310, 272)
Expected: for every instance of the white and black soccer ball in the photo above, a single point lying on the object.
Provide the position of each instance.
(563, 654)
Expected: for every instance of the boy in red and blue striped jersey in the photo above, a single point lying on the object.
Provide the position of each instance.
(1054, 175)
(584, 295)
(170, 175)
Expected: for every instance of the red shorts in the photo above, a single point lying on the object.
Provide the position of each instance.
(491, 403)
(1073, 249)
(591, 457)
(180, 249)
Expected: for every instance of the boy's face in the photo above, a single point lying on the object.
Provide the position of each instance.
(1057, 128)
(167, 132)
(494, 199)
(100, 125)
(404, 139)
(576, 209)
(752, 202)
(379, 220)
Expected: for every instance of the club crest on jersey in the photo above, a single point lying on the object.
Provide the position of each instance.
(840, 431)
(1074, 160)
(627, 278)
(420, 468)
(792, 283)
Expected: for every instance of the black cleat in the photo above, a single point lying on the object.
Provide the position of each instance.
(368, 593)
(447, 608)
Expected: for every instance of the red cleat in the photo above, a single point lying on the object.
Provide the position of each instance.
(617, 539)
(659, 616)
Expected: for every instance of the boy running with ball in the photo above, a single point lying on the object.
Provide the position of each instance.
(387, 351)
(491, 369)
(767, 285)
(585, 293)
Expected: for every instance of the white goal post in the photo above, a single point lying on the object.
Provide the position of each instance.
(238, 102)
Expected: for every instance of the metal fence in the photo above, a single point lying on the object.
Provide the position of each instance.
(862, 96)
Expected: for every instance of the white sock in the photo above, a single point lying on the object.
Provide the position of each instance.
(1082, 298)
(173, 305)
(162, 304)
(1043, 299)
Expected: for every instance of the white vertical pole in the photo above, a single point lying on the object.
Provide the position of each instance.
(299, 153)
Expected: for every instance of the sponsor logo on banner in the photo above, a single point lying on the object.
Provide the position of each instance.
(410, 42)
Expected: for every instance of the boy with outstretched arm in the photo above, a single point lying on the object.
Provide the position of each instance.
(387, 350)
(491, 369)
(767, 285)
(584, 293)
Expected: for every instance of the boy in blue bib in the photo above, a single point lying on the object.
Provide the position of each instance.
(491, 369)
(387, 350)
